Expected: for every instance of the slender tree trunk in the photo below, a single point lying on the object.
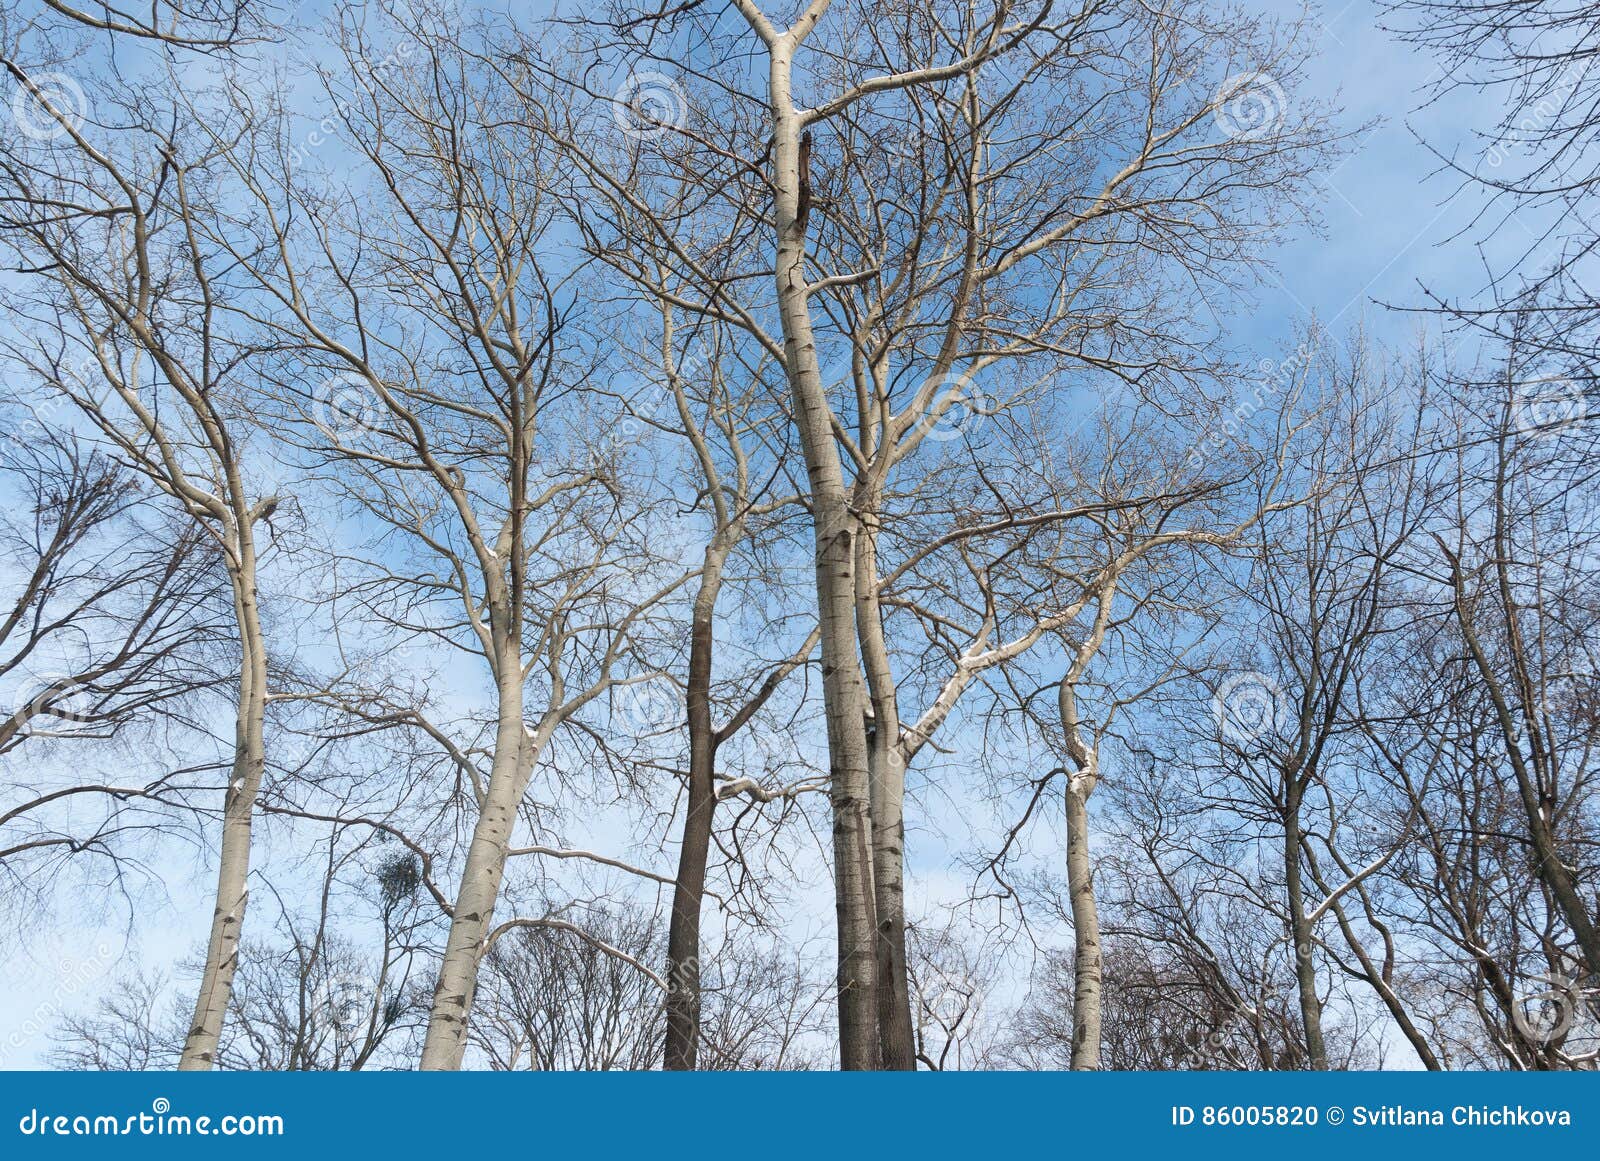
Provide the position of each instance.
(896, 1035)
(683, 933)
(1391, 998)
(446, 1042)
(1536, 792)
(238, 813)
(1548, 863)
(835, 529)
(1304, 968)
(1536, 801)
(1088, 965)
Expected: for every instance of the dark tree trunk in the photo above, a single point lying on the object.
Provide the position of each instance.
(683, 935)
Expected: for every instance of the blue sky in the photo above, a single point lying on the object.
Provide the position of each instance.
(1389, 223)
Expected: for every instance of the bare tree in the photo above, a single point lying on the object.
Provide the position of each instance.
(1516, 605)
(571, 997)
(431, 370)
(735, 503)
(113, 602)
(918, 268)
(317, 996)
(207, 26)
(1533, 166)
(656, 466)
(122, 314)
(111, 647)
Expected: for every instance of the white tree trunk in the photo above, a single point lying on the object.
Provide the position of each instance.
(835, 530)
(514, 754)
(1088, 961)
(238, 813)
(896, 1035)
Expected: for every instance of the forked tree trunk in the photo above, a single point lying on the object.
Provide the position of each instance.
(688, 892)
(1088, 964)
(835, 530)
(238, 813)
(1534, 792)
(514, 754)
(1391, 999)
